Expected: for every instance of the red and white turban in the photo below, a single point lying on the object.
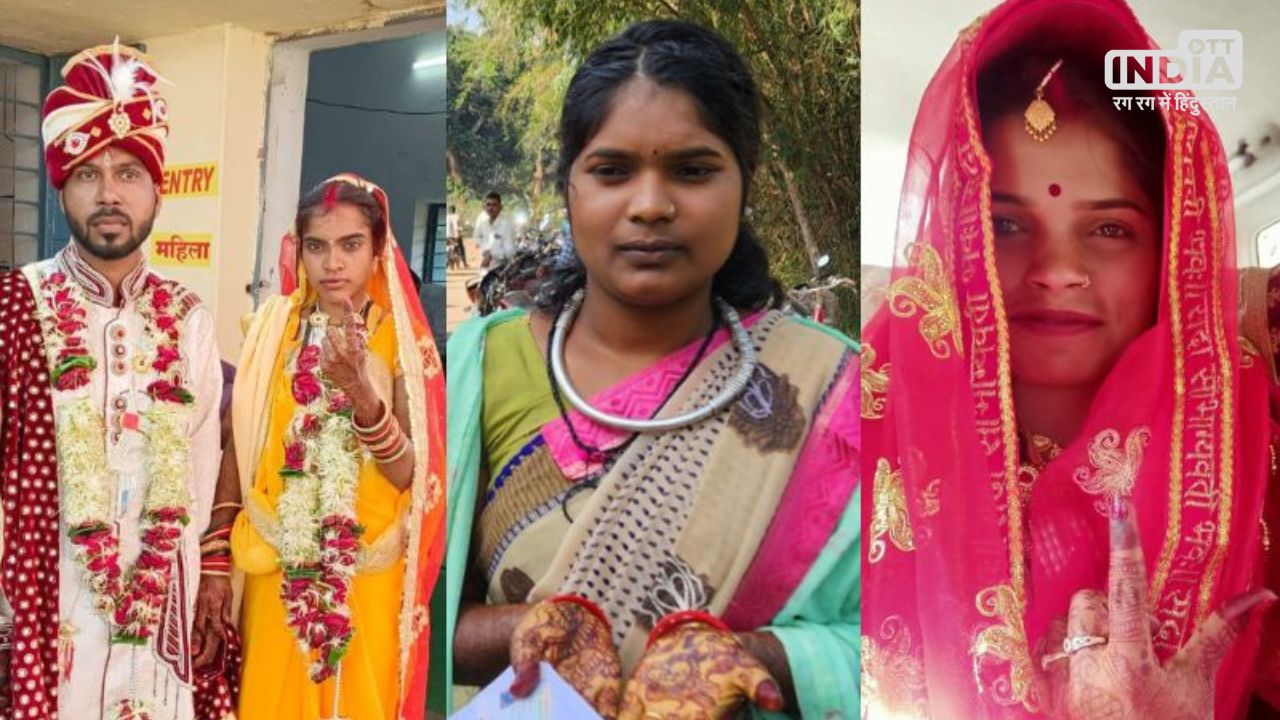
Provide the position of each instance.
(109, 98)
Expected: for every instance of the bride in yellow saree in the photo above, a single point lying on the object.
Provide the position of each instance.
(339, 448)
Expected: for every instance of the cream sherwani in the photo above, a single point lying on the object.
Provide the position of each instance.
(101, 672)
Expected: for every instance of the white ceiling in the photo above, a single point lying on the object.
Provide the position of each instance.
(58, 26)
(903, 41)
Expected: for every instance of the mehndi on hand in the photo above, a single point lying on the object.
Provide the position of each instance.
(694, 668)
(572, 635)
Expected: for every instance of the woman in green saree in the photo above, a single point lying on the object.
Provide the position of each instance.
(657, 464)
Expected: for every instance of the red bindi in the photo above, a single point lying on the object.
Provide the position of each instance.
(1055, 189)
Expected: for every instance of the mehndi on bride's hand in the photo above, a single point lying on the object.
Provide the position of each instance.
(1101, 665)
(345, 349)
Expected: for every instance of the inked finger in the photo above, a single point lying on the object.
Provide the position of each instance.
(351, 320)
(1127, 583)
(355, 339)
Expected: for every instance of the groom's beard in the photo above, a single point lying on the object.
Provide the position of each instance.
(113, 245)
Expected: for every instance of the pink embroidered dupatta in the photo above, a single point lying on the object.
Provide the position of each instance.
(966, 562)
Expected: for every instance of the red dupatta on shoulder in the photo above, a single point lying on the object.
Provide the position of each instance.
(968, 559)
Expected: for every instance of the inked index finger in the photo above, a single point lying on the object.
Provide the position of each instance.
(350, 318)
(1127, 582)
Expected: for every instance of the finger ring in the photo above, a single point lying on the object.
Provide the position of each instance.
(1076, 643)
(1052, 658)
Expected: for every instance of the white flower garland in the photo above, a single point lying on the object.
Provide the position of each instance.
(168, 462)
(131, 601)
(82, 462)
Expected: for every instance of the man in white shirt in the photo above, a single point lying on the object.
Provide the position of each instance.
(115, 367)
(495, 234)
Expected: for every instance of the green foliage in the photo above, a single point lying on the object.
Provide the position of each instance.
(485, 145)
(507, 82)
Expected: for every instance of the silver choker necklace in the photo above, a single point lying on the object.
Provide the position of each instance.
(736, 385)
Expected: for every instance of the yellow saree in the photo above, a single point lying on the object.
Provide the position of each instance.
(383, 674)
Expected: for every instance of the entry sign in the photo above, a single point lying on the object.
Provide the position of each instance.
(191, 180)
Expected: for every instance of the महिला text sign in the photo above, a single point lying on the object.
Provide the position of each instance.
(180, 249)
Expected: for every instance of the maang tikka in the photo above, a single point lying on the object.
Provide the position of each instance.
(1041, 121)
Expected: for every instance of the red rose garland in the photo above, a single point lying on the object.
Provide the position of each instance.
(320, 537)
(72, 362)
(132, 605)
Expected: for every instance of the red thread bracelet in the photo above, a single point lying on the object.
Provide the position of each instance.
(583, 602)
(683, 617)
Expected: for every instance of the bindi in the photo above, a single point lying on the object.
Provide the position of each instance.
(1055, 189)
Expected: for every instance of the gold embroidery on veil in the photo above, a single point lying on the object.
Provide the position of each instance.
(928, 292)
(1005, 642)
(875, 384)
(889, 513)
(1114, 469)
(892, 676)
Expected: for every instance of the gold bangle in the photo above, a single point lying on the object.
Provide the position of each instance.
(225, 505)
(216, 573)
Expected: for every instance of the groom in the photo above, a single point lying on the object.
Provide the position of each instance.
(109, 389)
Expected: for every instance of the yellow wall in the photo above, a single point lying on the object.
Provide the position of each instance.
(217, 113)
